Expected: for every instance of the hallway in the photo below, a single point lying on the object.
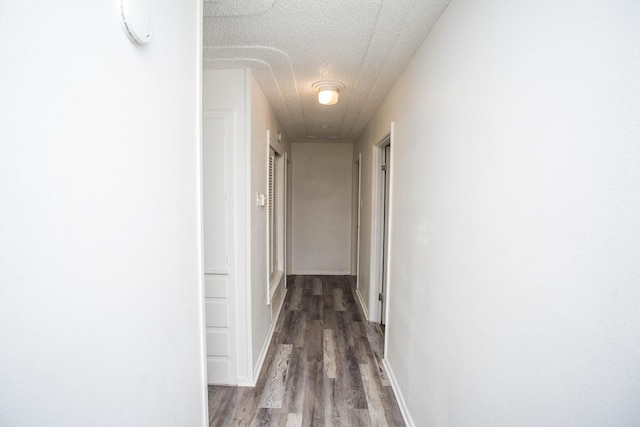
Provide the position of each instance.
(323, 366)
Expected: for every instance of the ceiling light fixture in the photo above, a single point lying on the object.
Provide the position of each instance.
(327, 91)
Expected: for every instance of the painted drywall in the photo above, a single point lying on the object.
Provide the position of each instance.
(321, 212)
(516, 216)
(101, 312)
(261, 118)
(225, 90)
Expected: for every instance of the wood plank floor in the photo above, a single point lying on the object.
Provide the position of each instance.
(322, 369)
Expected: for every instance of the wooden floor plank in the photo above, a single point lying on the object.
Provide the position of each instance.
(314, 308)
(295, 301)
(351, 387)
(307, 286)
(274, 387)
(313, 414)
(328, 311)
(359, 418)
(247, 407)
(374, 400)
(376, 342)
(314, 341)
(222, 405)
(294, 420)
(320, 369)
(344, 334)
(329, 353)
(392, 410)
(269, 418)
(317, 286)
(296, 381)
(339, 300)
(295, 328)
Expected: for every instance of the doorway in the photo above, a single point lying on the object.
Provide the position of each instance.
(381, 179)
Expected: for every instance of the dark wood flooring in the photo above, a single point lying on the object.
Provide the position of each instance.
(322, 368)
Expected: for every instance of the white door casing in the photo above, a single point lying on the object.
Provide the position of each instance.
(381, 247)
(357, 208)
(386, 180)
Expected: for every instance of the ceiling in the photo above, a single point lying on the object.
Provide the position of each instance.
(290, 44)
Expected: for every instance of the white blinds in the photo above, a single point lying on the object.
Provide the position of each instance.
(273, 212)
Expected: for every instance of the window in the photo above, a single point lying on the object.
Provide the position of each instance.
(276, 216)
(276, 201)
(273, 212)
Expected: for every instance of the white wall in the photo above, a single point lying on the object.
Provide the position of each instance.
(100, 251)
(225, 90)
(321, 212)
(261, 118)
(516, 216)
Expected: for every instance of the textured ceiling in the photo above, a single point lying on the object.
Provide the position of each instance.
(290, 44)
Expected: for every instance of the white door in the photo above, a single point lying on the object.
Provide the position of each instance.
(386, 173)
(217, 170)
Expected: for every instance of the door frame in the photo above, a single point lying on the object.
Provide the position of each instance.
(377, 239)
(357, 205)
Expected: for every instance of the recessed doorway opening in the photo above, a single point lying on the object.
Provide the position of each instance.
(382, 192)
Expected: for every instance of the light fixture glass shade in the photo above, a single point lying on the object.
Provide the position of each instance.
(327, 91)
(328, 96)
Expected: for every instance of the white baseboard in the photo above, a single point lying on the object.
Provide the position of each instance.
(362, 306)
(265, 346)
(399, 397)
(321, 273)
(244, 382)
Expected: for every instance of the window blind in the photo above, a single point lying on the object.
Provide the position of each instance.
(273, 212)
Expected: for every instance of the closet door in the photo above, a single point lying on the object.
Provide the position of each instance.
(217, 168)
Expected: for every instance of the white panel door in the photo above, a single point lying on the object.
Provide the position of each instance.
(217, 154)
(214, 134)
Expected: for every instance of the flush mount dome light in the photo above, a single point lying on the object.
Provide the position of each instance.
(327, 91)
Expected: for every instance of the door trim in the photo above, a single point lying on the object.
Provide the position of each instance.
(392, 153)
(375, 272)
(377, 239)
(357, 205)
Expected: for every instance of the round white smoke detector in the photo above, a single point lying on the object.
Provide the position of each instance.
(137, 21)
